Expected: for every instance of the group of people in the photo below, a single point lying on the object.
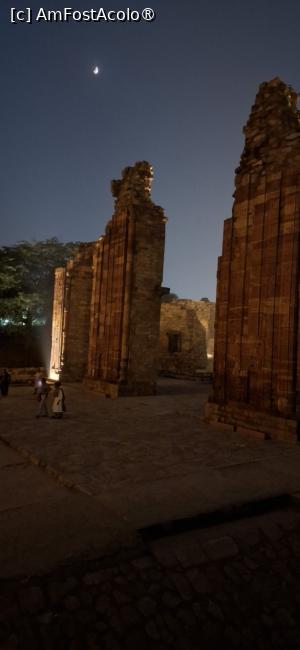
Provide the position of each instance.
(41, 390)
(4, 382)
(58, 406)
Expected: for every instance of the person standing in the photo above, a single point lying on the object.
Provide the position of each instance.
(42, 394)
(58, 405)
(4, 382)
(37, 382)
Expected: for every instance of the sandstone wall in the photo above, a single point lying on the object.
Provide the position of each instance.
(71, 316)
(257, 363)
(179, 320)
(25, 375)
(205, 312)
(127, 276)
(57, 322)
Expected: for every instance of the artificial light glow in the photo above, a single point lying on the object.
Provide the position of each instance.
(53, 374)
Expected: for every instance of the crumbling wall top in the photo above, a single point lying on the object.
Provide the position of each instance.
(83, 255)
(273, 127)
(135, 184)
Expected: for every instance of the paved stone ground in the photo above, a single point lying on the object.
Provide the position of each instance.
(42, 523)
(77, 490)
(131, 463)
(233, 586)
(103, 445)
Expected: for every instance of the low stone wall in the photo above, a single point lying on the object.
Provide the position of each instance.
(25, 375)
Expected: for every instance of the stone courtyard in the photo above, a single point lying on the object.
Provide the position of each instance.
(76, 570)
(148, 459)
(137, 462)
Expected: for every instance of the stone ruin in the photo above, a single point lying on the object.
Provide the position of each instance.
(257, 354)
(71, 316)
(106, 307)
(186, 337)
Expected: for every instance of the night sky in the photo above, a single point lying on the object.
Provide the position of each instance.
(175, 91)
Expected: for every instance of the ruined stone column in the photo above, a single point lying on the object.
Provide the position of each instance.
(71, 316)
(57, 322)
(125, 305)
(257, 368)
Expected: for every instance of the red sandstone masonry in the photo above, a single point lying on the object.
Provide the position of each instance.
(71, 314)
(106, 310)
(183, 317)
(125, 311)
(257, 365)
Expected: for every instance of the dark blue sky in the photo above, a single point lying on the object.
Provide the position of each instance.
(176, 92)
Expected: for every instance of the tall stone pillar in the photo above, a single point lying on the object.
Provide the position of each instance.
(57, 322)
(257, 362)
(125, 307)
(71, 316)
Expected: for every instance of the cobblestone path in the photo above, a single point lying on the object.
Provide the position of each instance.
(236, 585)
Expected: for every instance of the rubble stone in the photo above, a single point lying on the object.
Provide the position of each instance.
(221, 548)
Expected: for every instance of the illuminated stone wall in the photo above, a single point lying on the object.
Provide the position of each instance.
(125, 310)
(205, 311)
(71, 316)
(191, 324)
(257, 362)
(57, 322)
(106, 308)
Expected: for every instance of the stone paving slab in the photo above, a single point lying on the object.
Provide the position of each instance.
(39, 536)
(9, 457)
(43, 524)
(23, 486)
